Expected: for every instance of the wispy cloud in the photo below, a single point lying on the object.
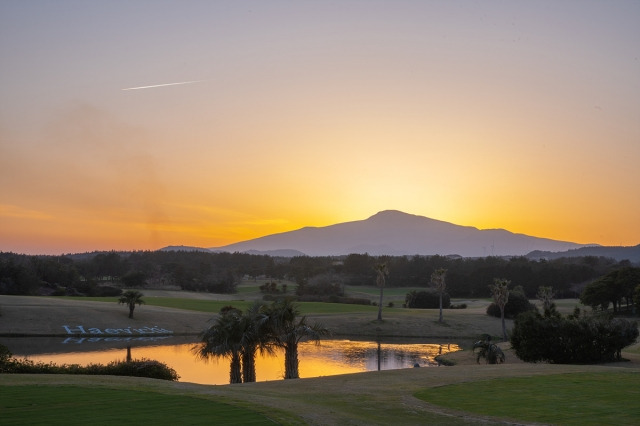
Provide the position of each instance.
(163, 85)
(8, 210)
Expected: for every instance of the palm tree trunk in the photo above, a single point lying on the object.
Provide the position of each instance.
(235, 369)
(131, 308)
(504, 327)
(291, 361)
(249, 365)
(440, 319)
(380, 305)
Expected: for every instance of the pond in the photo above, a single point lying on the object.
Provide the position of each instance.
(331, 357)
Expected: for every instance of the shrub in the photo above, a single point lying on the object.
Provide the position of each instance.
(426, 299)
(270, 287)
(322, 285)
(138, 368)
(488, 350)
(458, 306)
(517, 304)
(579, 339)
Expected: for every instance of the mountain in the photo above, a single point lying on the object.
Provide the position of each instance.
(183, 248)
(395, 233)
(631, 254)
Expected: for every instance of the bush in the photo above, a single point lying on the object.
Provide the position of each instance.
(322, 285)
(137, 368)
(271, 287)
(517, 304)
(426, 299)
(458, 306)
(488, 350)
(578, 339)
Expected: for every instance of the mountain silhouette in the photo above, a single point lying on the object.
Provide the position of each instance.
(395, 233)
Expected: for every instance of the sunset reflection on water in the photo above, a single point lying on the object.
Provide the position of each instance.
(329, 358)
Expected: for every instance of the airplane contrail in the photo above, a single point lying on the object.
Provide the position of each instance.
(161, 85)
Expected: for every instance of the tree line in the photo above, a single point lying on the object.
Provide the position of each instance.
(90, 273)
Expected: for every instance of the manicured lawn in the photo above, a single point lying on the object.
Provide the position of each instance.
(214, 306)
(580, 398)
(71, 405)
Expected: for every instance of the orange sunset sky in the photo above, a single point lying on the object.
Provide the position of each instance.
(522, 115)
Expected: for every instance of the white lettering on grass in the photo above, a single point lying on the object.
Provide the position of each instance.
(81, 330)
(78, 330)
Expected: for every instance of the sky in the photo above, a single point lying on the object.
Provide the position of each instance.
(521, 115)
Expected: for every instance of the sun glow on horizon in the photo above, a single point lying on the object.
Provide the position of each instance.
(486, 114)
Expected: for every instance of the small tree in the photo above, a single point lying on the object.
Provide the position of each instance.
(546, 295)
(517, 304)
(131, 298)
(488, 350)
(437, 280)
(500, 293)
(286, 330)
(223, 339)
(382, 272)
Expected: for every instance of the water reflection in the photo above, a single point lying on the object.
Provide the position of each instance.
(331, 357)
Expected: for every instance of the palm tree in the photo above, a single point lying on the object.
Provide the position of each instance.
(491, 352)
(546, 295)
(287, 332)
(500, 293)
(223, 339)
(131, 298)
(382, 271)
(437, 279)
(255, 336)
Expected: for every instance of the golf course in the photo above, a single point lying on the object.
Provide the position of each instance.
(463, 393)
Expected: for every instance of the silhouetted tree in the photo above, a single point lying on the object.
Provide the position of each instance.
(131, 298)
(545, 295)
(500, 293)
(223, 339)
(381, 274)
(287, 331)
(254, 325)
(437, 280)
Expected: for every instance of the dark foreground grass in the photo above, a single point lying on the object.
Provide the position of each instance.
(581, 398)
(72, 405)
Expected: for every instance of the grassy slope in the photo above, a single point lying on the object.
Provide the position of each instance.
(52, 404)
(578, 398)
(385, 397)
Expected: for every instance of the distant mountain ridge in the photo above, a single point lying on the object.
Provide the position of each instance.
(618, 253)
(395, 233)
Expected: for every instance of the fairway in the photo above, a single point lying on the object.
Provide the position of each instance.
(72, 405)
(582, 398)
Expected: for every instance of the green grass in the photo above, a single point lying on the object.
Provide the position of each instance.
(74, 405)
(583, 398)
(214, 306)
